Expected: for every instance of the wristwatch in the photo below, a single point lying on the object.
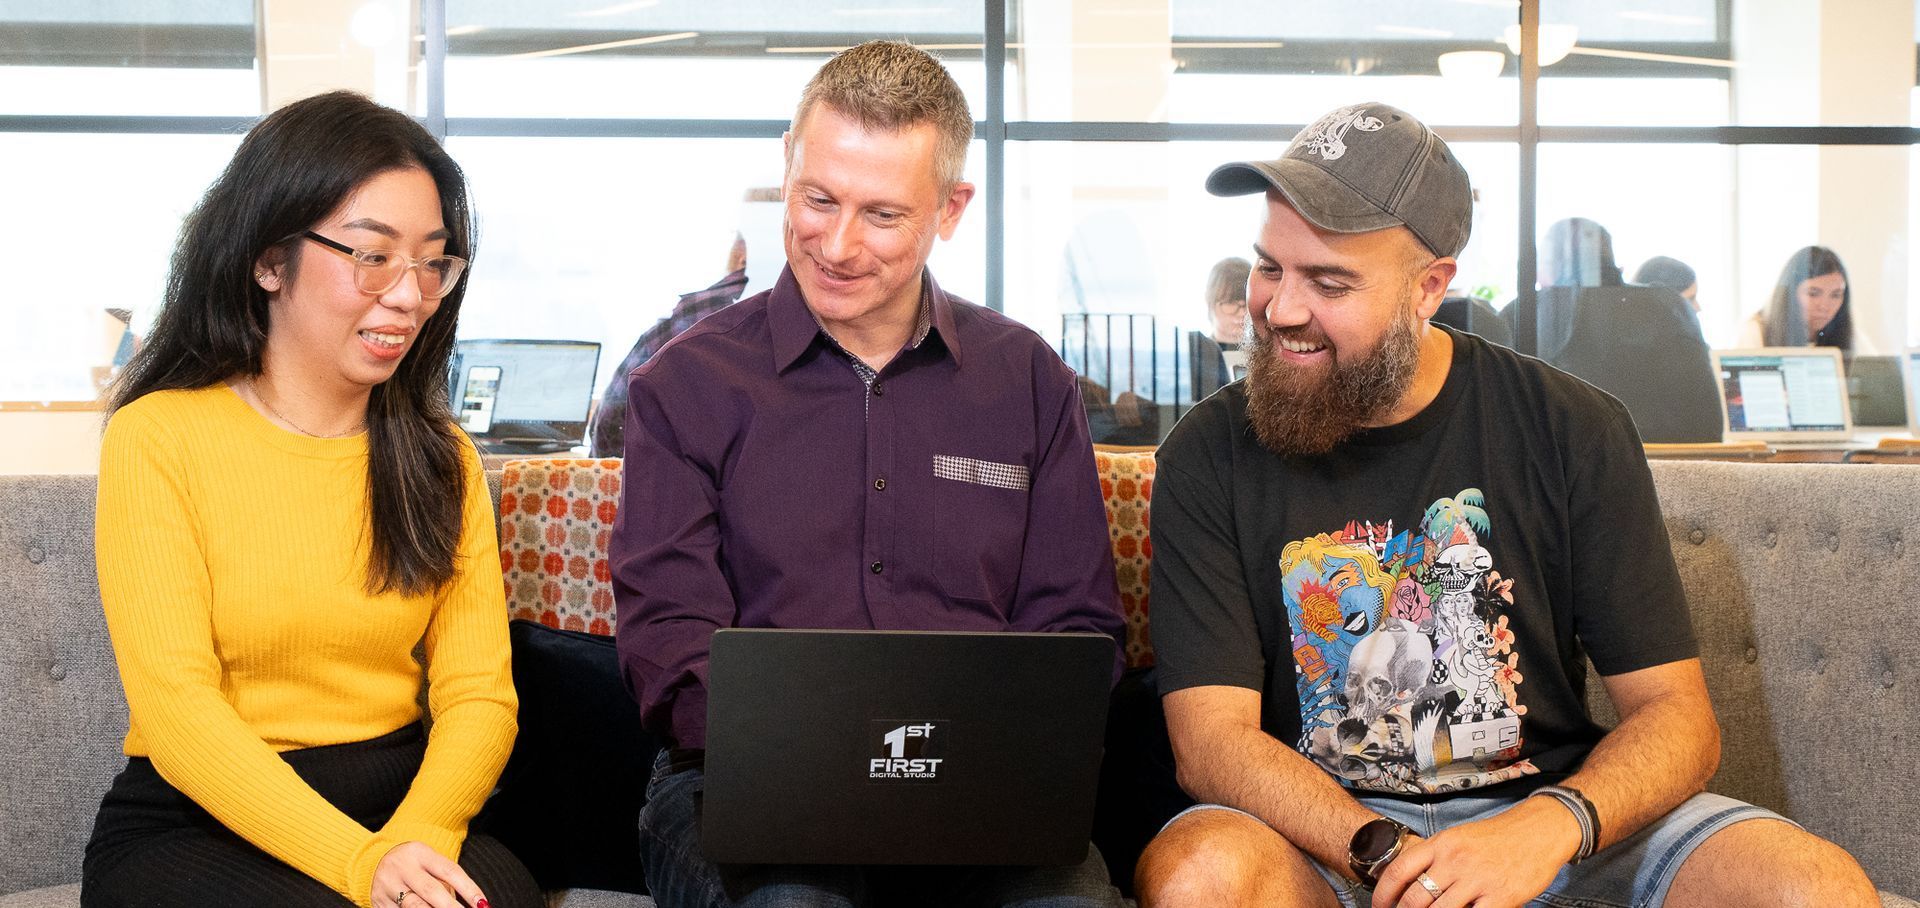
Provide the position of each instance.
(1375, 844)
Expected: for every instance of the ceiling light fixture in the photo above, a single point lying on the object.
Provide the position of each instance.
(1556, 41)
(605, 45)
(1472, 64)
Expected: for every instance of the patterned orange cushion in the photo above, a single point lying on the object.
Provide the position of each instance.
(1126, 482)
(556, 517)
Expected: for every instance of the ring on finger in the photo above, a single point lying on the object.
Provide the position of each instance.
(401, 899)
(1427, 883)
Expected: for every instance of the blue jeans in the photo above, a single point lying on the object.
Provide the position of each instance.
(1635, 872)
(679, 876)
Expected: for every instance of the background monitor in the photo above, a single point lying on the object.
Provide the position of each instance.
(1207, 368)
(1874, 390)
(1783, 394)
(1911, 360)
(527, 395)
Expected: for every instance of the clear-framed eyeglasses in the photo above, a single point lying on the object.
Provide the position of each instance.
(377, 271)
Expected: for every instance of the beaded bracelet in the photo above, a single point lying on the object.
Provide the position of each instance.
(1584, 813)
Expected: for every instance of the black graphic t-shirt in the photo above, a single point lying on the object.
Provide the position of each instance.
(1414, 605)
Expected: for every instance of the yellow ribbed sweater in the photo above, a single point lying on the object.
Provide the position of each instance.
(232, 560)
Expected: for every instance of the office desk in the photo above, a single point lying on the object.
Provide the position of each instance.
(1868, 449)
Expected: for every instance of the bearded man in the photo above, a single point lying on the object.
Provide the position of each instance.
(1394, 715)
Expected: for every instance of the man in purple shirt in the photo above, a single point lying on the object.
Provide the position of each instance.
(852, 449)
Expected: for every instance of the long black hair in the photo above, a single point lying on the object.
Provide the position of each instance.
(294, 168)
(1785, 320)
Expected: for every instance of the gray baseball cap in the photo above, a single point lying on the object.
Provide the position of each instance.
(1365, 167)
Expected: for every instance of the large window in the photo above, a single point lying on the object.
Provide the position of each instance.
(94, 196)
(617, 147)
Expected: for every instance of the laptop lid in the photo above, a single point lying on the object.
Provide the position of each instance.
(903, 747)
(532, 395)
(1783, 394)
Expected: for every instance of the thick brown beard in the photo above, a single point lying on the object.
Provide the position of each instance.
(1298, 410)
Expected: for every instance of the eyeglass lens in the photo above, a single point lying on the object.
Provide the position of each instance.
(380, 271)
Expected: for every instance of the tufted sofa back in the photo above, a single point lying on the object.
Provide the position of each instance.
(1800, 578)
(65, 717)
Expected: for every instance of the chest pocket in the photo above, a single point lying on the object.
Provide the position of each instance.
(980, 523)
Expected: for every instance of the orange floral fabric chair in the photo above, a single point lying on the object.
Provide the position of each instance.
(1126, 483)
(556, 518)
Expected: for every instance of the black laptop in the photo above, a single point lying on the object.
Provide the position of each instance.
(903, 747)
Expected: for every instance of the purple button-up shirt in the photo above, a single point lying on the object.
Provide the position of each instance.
(768, 485)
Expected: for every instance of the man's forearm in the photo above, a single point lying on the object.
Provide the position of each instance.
(1655, 759)
(1246, 768)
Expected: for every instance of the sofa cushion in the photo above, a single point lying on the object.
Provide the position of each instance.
(59, 686)
(568, 802)
(556, 517)
(1800, 579)
(1126, 484)
(584, 898)
(67, 896)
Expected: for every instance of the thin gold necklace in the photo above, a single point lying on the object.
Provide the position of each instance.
(262, 398)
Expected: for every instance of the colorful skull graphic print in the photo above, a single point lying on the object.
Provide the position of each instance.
(1407, 677)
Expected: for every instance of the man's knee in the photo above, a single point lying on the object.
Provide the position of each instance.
(1219, 857)
(1770, 863)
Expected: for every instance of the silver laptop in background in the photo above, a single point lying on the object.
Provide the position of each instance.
(1785, 396)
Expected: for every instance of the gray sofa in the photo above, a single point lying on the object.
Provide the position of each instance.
(1800, 577)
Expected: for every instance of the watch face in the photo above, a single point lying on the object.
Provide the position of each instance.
(1373, 840)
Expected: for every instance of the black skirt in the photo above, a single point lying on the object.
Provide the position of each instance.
(153, 846)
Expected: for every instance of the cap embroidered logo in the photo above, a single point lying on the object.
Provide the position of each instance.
(1327, 138)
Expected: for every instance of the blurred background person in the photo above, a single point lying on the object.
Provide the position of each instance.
(606, 430)
(1227, 318)
(1808, 306)
(1227, 301)
(1673, 274)
(1575, 253)
(1578, 252)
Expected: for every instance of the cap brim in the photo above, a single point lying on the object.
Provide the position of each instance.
(1323, 200)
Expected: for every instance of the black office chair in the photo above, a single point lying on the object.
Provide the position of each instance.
(1643, 345)
(1474, 316)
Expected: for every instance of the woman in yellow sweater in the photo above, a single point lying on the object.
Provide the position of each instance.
(286, 514)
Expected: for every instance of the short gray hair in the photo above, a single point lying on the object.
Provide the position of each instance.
(891, 85)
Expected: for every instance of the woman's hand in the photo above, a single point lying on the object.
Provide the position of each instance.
(413, 875)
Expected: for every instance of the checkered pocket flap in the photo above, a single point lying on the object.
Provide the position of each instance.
(982, 472)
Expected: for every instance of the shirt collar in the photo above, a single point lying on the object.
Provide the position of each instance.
(795, 328)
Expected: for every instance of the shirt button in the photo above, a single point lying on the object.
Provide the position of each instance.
(877, 568)
(878, 391)
(880, 485)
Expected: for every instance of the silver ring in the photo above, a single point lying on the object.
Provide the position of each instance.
(400, 899)
(1432, 888)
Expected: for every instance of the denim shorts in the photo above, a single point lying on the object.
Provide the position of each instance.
(1635, 872)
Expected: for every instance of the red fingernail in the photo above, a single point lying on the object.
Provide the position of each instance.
(480, 904)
